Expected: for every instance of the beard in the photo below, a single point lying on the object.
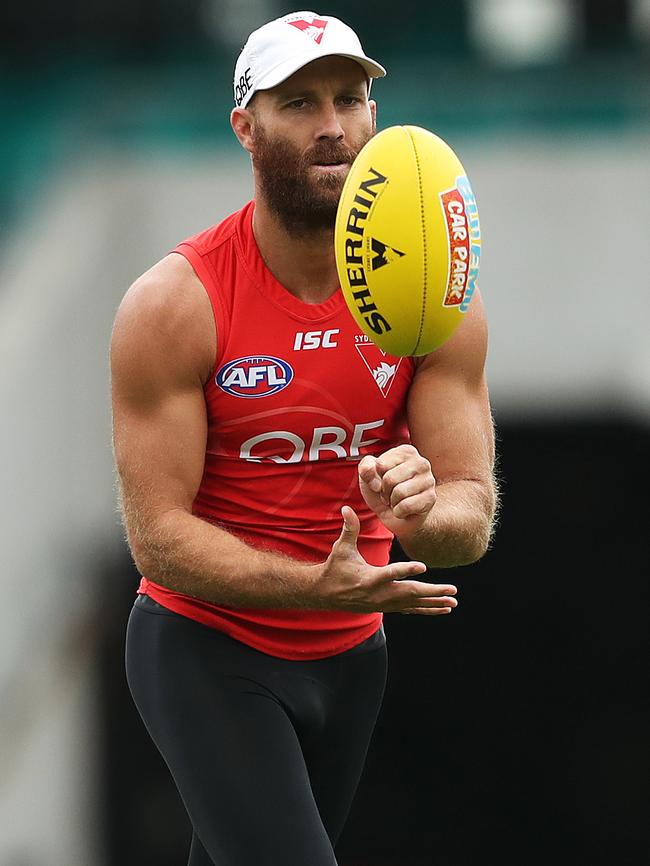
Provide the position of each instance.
(304, 202)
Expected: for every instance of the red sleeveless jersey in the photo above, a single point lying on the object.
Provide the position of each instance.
(297, 396)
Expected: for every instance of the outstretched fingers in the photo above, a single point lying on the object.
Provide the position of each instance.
(426, 611)
(401, 571)
(414, 596)
(354, 584)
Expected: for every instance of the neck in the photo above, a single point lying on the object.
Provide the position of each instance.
(303, 263)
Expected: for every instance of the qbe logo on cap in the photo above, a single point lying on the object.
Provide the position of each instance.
(243, 86)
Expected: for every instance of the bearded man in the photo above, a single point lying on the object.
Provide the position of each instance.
(265, 471)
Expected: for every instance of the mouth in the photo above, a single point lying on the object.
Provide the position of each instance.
(331, 166)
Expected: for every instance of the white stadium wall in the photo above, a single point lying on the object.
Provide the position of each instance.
(565, 234)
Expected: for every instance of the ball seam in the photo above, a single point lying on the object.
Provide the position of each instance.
(424, 242)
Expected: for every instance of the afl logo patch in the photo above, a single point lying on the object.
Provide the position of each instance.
(254, 376)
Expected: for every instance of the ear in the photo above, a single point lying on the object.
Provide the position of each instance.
(241, 120)
(373, 113)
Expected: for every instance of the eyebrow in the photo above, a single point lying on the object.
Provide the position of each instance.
(299, 92)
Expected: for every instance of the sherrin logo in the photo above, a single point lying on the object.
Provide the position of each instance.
(369, 189)
(254, 376)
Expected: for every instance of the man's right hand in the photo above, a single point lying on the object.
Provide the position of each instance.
(348, 582)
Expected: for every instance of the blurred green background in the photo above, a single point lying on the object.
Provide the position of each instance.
(517, 730)
(147, 74)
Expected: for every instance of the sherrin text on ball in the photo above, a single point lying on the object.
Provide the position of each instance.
(407, 240)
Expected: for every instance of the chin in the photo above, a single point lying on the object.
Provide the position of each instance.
(329, 188)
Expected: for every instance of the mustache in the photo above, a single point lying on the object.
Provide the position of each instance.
(330, 152)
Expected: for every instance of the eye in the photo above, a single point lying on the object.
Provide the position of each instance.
(350, 100)
(297, 103)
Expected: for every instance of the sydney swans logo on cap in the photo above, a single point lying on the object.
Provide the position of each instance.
(314, 28)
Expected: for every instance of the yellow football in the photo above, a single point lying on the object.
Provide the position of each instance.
(407, 240)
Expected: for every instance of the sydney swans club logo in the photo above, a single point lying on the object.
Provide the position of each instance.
(382, 367)
(314, 28)
(254, 376)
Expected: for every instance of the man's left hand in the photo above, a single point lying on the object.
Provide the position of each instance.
(399, 487)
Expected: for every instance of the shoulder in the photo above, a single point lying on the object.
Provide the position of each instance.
(166, 315)
(168, 293)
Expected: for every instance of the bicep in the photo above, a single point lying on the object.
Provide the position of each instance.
(159, 413)
(449, 415)
(160, 447)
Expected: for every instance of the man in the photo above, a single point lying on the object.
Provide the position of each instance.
(265, 471)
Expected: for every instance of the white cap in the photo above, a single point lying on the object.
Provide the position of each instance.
(278, 49)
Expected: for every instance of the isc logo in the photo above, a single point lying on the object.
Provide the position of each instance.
(316, 339)
(254, 376)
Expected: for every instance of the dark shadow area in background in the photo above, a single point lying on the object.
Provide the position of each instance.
(513, 731)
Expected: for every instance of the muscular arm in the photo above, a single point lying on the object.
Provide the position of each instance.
(162, 353)
(438, 495)
(451, 426)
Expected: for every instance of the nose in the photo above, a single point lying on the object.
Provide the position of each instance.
(329, 126)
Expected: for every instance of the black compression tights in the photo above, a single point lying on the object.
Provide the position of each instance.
(266, 753)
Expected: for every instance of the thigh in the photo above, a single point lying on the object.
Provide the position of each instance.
(335, 761)
(228, 742)
(198, 855)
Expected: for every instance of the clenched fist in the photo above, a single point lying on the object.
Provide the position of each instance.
(399, 487)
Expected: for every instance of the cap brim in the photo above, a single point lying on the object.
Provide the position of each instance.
(287, 68)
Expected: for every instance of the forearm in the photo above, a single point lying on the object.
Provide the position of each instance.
(458, 528)
(190, 555)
